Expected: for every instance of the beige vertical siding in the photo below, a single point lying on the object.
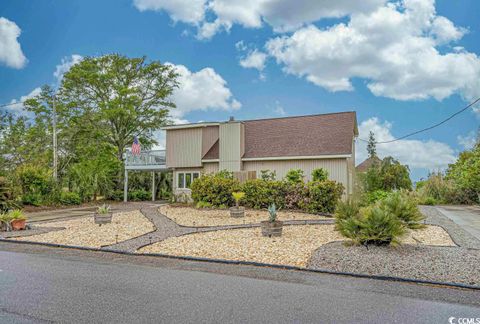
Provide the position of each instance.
(231, 146)
(209, 137)
(210, 167)
(184, 148)
(337, 168)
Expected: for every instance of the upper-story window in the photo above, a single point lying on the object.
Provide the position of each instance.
(185, 179)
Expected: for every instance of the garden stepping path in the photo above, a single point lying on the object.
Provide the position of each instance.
(166, 228)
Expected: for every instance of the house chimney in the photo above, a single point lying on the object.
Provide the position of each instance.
(232, 119)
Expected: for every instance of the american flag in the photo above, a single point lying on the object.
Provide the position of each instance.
(136, 146)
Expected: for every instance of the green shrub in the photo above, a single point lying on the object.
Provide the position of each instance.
(139, 195)
(347, 209)
(33, 199)
(296, 196)
(374, 196)
(203, 204)
(224, 174)
(115, 195)
(294, 176)
(69, 198)
(6, 201)
(319, 174)
(372, 225)
(261, 194)
(323, 196)
(268, 175)
(215, 189)
(403, 206)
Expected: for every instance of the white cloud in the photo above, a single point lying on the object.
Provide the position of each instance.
(65, 65)
(468, 141)
(429, 154)
(393, 48)
(189, 11)
(10, 51)
(202, 90)
(282, 15)
(254, 59)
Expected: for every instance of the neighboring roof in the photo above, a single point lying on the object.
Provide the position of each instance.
(314, 135)
(365, 165)
(213, 153)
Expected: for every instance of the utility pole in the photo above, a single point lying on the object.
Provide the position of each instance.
(55, 176)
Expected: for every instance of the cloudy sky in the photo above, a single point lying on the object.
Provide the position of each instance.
(401, 65)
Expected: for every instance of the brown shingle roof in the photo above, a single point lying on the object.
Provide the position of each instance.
(327, 134)
(213, 152)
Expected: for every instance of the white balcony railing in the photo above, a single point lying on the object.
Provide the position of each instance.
(154, 158)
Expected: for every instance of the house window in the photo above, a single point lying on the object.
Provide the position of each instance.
(185, 179)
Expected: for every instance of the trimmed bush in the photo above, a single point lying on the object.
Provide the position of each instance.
(404, 207)
(261, 194)
(69, 198)
(323, 196)
(214, 189)
(319, 174)
(294, 176)
(115, 195)
(296, 196)
(372, 225)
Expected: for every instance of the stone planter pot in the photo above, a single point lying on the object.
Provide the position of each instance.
(18, 224)
(101, 219)
(271, 229)
(237, 212)
(3, 227)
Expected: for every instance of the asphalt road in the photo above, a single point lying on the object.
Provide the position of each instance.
(39, 284)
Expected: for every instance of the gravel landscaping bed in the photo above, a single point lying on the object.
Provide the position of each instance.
(34, 230)
(192, 217)
(433, 263)
(294, 247)
(84, 232)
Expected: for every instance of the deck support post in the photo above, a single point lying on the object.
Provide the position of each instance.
(153, 185)
(125, 186)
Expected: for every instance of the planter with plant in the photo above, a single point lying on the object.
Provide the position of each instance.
(237, 211)
(18, 220)
(272, 227)
(103, 215)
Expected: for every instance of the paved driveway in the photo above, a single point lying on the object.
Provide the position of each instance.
(467, 217)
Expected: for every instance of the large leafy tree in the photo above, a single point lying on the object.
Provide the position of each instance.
(389, 175)
(114, 98)
(465, 173)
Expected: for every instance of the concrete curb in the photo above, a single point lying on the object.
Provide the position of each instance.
(252, 263)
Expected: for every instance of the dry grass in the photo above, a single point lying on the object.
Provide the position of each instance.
(294, 247)
(84, 232)
(187, 216)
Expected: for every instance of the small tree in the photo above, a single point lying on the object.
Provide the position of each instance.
(372, 145)
(294, 176)
(319, 174)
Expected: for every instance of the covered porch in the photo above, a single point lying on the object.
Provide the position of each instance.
(148, 161)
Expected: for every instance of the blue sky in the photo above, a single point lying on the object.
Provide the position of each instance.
(400, 65)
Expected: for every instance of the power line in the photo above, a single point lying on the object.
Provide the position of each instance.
(430, 127)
